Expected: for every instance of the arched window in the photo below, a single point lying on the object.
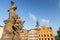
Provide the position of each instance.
(47, 35)
(39, 38)
(42, 38)
(48, 38)
(45, 38)
(51, 38)
(51, 35)
(39, 35)
(44, 35)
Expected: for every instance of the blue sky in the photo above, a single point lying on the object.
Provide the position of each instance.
(47, 12)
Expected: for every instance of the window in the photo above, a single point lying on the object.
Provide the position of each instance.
(51, 35)
(44, 32)
(44, 35)
(47, 31)
(35, 33)
(39, 35)
(30, 36)
(43, 28)
(47, 35)
(30, 39)
(48, 38)
(51, 38)
(35, 36)
(45, 38)
(41, 32)
(42, 38)
(39, 39)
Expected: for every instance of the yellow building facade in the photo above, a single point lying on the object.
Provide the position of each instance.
(45, 34)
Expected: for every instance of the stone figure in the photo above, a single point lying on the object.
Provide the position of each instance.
(13, 25)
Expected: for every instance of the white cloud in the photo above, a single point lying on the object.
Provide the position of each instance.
(32, 16)
(44, 21)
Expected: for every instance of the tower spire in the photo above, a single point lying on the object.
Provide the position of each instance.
(37, 23)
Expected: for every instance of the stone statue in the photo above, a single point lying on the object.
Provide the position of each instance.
(13, 25)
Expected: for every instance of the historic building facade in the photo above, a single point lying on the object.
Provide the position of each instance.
(33, 33)
(45, 34)
(1, 31)
(58, 33)
(24, 34)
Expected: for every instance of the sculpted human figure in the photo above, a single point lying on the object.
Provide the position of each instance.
(13, 25)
